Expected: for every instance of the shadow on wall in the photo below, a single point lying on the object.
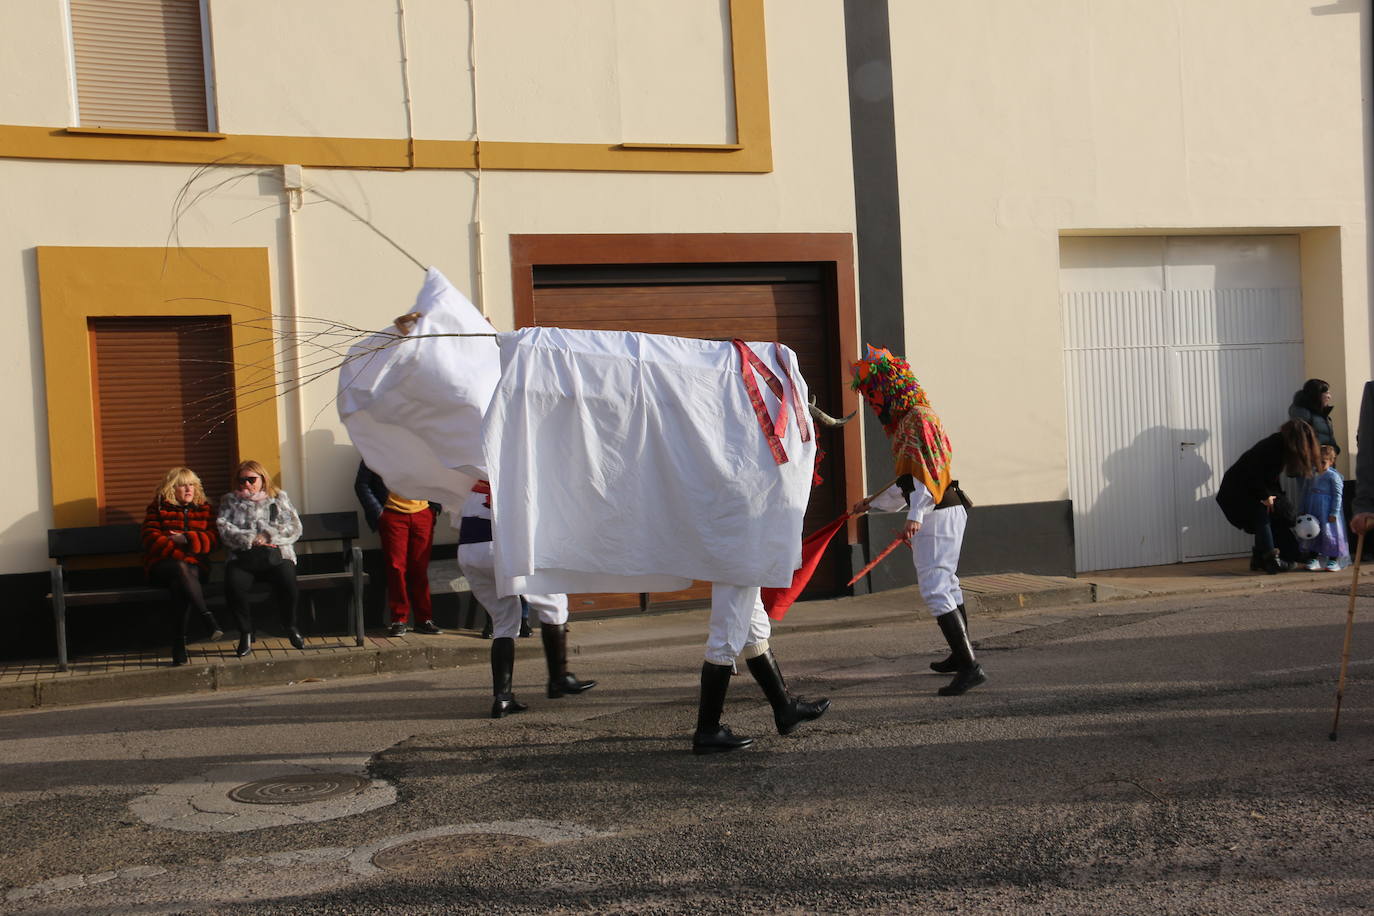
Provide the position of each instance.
(1137, 517)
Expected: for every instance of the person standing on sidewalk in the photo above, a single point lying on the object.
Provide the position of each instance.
(406, 528)
(937, 510)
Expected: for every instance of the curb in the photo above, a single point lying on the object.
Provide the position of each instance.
(818, 616)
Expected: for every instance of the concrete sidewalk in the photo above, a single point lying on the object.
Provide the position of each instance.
(213, 666)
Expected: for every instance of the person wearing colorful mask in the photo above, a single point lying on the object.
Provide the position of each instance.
(937, 510)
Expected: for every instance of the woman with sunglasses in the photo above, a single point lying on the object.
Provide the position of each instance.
(258, 525)
(178, 534)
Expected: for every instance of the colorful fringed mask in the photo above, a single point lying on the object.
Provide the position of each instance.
(919, 444)
(886, 381)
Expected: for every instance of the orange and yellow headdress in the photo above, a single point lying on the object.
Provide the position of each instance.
(920, 446)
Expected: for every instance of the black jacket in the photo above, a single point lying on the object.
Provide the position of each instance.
(1252, 479)
(1315, 416)
(372, 495)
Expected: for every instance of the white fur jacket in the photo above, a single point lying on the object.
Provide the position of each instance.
(241, 519)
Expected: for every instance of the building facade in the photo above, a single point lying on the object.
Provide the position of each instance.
(1111, 238)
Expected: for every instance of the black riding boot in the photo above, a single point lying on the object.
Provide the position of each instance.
(788, 711)
(950, 664)
(561, 681)
(502, 671)
(711, 737)
(970, 673)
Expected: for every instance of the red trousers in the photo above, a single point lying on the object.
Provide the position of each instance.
(406, 543)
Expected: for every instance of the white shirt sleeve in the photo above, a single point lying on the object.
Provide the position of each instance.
(921, 503)
(890, 500)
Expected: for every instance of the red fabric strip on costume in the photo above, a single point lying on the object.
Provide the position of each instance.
(775, 430)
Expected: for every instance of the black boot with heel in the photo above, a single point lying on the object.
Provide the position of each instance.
(788, 711)
(562, 682)
(711, 737)
(950, 664)
(502, 673)
(969, 673)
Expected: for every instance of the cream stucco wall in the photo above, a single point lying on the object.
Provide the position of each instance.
(344, 270)
(1019, 121)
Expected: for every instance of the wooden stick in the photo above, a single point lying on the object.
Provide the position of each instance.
(1349, 629)
(900, 539)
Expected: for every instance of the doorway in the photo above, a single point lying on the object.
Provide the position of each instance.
(1180, 352)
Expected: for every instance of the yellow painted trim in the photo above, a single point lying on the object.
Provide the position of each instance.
(146, 132)
(76, 284)
(751, 152)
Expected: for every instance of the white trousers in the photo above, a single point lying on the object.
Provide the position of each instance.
(738, 623)
(478, 562)
(935, 551)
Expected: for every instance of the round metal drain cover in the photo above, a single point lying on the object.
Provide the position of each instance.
(298, 790)
(434, 852)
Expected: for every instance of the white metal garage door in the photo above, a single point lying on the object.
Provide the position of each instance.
(1179, 354)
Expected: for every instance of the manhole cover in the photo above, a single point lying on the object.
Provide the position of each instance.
(455, 847)
(298, 790)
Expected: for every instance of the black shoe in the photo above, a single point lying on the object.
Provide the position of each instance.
(525, 631)
(949, 664)
(396, 629)
(245, 646)
(1275, 564)
(486, 629)
(788, 711)
(216, 633)
(1256, 560)
(567, 685)
(429, 627)
(505, 705)
(718, 741)
(179, 656)
(964, 681)
(295, 637)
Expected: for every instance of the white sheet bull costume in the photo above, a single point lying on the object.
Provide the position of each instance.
(616, 462)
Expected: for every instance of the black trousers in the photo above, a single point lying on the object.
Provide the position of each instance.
(238, 582)
(183, 580)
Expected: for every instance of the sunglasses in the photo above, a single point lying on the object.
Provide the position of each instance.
(253, 479)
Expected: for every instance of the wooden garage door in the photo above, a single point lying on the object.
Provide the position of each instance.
(164, 397)
(756, 302)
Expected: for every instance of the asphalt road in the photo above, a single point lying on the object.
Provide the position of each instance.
(1164, 756)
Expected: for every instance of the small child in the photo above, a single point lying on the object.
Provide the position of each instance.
(1321, 499)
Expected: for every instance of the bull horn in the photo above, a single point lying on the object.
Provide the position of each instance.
(824, 417)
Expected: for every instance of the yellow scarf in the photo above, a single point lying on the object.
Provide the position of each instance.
(921, 448)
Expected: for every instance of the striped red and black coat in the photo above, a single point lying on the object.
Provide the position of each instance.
(197, 521)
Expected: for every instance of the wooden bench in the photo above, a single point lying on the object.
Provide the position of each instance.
(65, 544)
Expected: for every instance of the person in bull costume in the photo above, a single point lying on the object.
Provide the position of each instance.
(476, 557)
(937, 510)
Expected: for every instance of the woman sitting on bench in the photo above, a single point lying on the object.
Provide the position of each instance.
(178, 535)
(258, 525)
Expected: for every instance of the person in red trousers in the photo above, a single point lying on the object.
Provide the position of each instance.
(406, 527)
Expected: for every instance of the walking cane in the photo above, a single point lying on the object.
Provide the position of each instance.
(1349, 628)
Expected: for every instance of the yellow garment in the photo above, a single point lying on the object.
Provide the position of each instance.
(921, 448)
(406, 506)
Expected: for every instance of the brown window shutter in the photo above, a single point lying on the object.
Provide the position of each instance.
(139, 64)
(164, 396)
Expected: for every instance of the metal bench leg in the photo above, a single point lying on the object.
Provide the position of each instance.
(59, 613)
(357, 562)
